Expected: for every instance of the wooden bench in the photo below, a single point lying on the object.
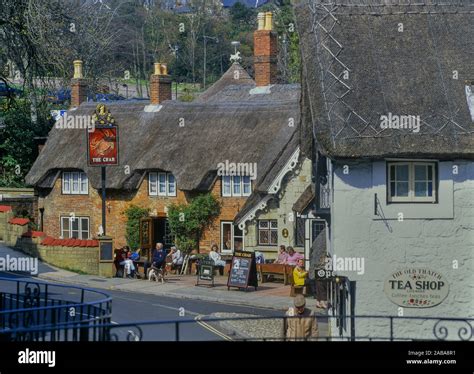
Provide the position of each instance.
(276, 269)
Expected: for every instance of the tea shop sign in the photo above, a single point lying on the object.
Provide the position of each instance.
(416, 288)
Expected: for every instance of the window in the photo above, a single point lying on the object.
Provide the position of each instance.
(412, 182)
(232, 238)
(75, 183)
(161, 184)
(236, 186)
(75, 227)
(268, 232)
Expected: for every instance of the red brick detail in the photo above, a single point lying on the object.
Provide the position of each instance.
(265, 57)
(34, 234)
(5, 208)
(19, 221)
(49, 241)
(78, 92)
(160, 89)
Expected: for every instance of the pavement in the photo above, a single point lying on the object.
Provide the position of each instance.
(271, 295)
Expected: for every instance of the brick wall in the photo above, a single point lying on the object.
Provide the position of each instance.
(56, 205)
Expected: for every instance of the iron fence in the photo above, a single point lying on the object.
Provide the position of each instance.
(43, 311)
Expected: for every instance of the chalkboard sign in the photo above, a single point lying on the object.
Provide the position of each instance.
(106, 252)
(206, 271)
(243, 271)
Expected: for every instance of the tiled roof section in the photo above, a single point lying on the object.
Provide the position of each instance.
(34, 234)
(5, 208)
(49, 241)
(19, 221)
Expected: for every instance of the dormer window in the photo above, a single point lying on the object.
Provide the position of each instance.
(75, 183)
(161, 184)
(236, 186)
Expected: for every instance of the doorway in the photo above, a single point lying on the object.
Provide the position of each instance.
(154, 230)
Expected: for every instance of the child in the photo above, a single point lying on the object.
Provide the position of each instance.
(300, 276)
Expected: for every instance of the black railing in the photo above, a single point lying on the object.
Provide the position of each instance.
(44, 311)
(388, 328)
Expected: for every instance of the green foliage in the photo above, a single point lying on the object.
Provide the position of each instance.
(18, 148)
(132, 232)
(188, 221)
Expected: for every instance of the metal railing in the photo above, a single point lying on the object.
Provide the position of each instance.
(389, 328)
(43, 311)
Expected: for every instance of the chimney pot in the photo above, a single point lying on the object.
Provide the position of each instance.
(269, 21)
(157, 68)
(77, 69)
(261, 21)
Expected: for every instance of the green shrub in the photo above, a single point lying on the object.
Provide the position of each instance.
(132, 233)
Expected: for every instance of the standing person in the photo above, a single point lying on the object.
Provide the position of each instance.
(282, 255)
(301, 323)
(216, 257)
(293, 256)
(158, 258)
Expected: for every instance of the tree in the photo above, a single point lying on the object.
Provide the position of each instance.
(132, 231)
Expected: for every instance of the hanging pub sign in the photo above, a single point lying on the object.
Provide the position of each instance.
(416, 288)
(102, 143)
(243, 271)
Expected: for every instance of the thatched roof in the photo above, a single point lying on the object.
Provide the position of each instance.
(244, 128)
(399, 59)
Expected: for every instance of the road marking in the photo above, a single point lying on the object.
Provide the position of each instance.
(210, 328)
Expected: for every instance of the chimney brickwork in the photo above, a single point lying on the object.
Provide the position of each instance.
(265, 51)
(160, 85)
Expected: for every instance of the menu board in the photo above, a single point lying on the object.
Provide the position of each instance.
(243, 271)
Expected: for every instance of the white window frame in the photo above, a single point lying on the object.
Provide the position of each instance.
(232, 192)
(269, 229)
(68, 179)
(411, 198)
(154, 186)
(232, 237)
(79, 226)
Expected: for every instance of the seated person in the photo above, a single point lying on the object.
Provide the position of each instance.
(282, 255)
(176, 258)
(158, 259)
(216, 257)
(293, 256)
(118, 259)
(127, 262)
(300, 276)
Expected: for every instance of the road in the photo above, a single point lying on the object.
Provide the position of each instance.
(130, 307)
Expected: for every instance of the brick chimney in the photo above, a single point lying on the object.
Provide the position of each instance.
(78, 85)
(160, 85)
(265, 50)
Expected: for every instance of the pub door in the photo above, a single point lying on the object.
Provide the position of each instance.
(154, 230)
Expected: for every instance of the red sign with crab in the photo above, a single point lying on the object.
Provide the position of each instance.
(103, 146)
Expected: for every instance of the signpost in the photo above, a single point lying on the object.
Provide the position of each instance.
(243, 271)
(206, 271)
(102, 148)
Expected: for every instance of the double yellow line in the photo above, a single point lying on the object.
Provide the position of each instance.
(210, 328)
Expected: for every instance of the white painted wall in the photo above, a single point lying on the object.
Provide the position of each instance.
(431, 236)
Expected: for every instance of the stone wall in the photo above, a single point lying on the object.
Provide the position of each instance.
(83, 259)
(437, 236)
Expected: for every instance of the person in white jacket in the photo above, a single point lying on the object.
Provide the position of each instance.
(215, 256)
(176, 258)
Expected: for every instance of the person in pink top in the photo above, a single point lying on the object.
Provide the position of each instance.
(293, 256)
(282, 256)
